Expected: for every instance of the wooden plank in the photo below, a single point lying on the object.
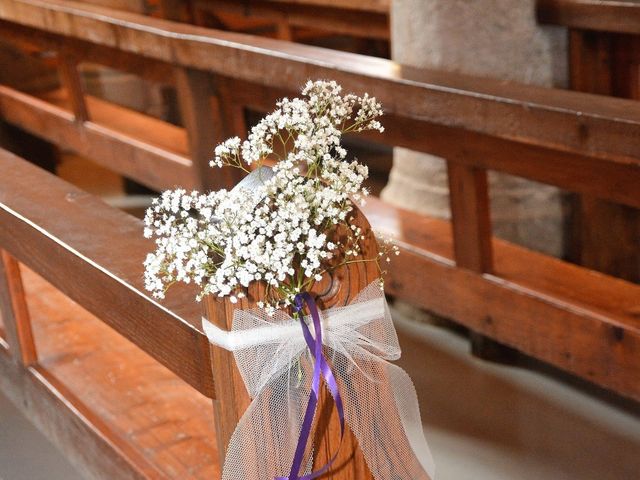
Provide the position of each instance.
(15, 314)
(603, 15)
(578, 320)
(68, 69)
(147, 163)
(470, 217)
(471, 230)
(99, 266)
(616, 181)
(566, 121)
(380, 6)
(149, 420)
(205, 127)
(86, 51)
(65, 424)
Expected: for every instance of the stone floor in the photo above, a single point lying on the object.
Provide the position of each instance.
(487, 421)
(24, 453)
(483, 421)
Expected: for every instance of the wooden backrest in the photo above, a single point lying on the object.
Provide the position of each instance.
(580, 142)
(538, 133)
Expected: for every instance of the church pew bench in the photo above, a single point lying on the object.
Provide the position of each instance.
(360, 19)
(580, 142)
(147, 397)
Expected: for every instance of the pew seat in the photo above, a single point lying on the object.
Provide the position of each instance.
(158, 424)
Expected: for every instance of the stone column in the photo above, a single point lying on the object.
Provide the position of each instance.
(491, 38)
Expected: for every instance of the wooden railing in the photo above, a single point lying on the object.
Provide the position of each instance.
(576, 319)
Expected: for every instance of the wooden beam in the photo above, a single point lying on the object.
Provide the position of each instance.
(581, 321)
(41, 399)
(570, 171)
(85, 51)
(205, 122)
(15, 314)
(380, 6)
(606, 234)
(330, 18)
(470, 217)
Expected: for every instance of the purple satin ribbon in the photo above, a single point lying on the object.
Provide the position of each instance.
(321, 368)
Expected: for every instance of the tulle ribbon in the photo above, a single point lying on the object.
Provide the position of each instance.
(281, 370)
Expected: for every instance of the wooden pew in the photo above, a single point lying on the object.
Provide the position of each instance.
(360, 19)
(604, 58)
(133, 400)
(580, 321)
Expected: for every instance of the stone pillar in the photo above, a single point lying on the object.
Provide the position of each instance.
(491, 38)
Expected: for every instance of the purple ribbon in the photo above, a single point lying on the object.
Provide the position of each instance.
(321, 368)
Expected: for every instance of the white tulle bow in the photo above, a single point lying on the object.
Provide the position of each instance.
(380, 402)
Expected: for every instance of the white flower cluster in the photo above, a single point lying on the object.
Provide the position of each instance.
(284, 230)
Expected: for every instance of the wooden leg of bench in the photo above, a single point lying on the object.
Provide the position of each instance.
(472, 242)
(14, 311)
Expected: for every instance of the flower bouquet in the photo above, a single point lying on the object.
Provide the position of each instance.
(289, 246)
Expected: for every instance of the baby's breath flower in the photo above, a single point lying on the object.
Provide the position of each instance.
(283, 230)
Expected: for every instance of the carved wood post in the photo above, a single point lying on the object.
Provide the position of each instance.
(231, 399)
